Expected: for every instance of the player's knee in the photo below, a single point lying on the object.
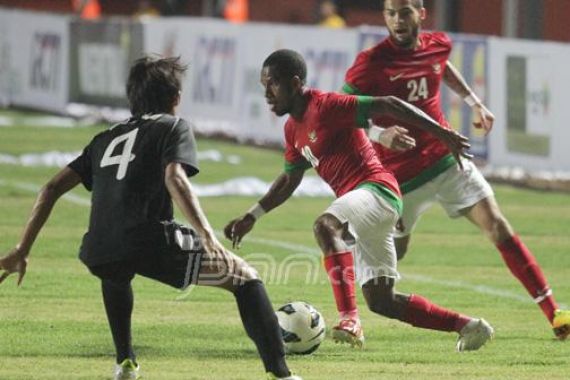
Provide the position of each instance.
(325, 226)
(228, 274)
(244, 271)
(328, 232)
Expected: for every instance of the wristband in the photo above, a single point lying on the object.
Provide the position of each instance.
(256, 211)
(374, 133)
(472, 99)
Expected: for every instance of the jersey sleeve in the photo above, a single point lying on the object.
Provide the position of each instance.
(294, 160)
(442, 39)
(358, 76)
(180, 146)
(82, 166)
(346, 111)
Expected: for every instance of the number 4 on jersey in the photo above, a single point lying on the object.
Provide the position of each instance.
(125, 157)
(309, 156)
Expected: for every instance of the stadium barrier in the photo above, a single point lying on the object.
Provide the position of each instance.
(34, 62)
(49, 61)
(529, 88)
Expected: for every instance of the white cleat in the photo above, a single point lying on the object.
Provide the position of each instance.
(271, 376)
(127, 370)
(349, 330)
(474, 335)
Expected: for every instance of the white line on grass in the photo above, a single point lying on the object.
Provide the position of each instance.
(483, 289)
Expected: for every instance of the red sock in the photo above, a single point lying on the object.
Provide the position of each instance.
(524, 267)
(340, 268)
(420, 312)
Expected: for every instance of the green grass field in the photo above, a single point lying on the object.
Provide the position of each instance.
(54, 326)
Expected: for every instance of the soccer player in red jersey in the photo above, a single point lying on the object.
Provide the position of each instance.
(411, 65)
(323, 131)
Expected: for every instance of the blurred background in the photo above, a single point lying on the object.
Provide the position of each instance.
(534, 19)
(71, 58)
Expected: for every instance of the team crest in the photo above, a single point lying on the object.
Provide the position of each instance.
(313, 137)
(436, 68)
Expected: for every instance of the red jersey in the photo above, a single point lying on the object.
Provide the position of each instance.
(328, 139)
(414, 76)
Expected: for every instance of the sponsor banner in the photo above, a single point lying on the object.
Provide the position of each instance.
(101, 55)
(6, 72)
(212, 84)
(369, 36)
(34, 59)
(529, 84)
(469, 56)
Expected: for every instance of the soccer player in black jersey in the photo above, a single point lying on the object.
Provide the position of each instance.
(134, 170)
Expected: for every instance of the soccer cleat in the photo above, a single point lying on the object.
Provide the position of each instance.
(271, 376)
(561, 324)
(349, 331)
(127, 370)
(474, 335)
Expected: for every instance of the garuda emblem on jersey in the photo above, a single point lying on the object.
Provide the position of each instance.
(436, 68)
(313, 137)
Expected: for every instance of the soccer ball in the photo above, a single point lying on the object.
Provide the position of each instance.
(302, 326)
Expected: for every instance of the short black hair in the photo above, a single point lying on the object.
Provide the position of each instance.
(154, 84)
(287, 63)
(418, 4)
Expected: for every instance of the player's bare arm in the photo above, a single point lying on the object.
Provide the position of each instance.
(409, 114)
(17, 258)
(455, 81)
(185, 198)
(281, 190)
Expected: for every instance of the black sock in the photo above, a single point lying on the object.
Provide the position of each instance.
(118, 299)
(261, 325)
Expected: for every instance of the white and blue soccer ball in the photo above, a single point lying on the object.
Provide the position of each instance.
(302, 326)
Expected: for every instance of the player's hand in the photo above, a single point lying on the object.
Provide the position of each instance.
(16, 261)
(215, 250)
(457, 144)
(484, 119)
(397, 138)
(238, 228)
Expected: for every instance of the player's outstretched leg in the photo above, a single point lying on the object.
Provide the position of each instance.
(339, 264)
(257, 314)
(525, 268)
(520, 261)
(420, 312)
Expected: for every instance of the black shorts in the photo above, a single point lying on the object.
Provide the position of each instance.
(176, 263)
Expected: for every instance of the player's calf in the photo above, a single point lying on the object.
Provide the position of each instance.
(261, 325)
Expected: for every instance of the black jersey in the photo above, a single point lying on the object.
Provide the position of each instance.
(124, 169)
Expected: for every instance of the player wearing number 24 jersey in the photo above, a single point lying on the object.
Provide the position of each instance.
(413, 76)
(323, 131)
(411, 65)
